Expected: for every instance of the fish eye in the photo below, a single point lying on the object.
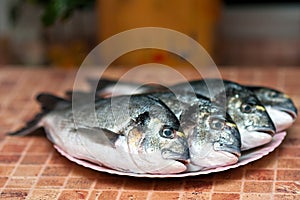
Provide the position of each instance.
(247, 107)
(216, 123)
(273, 94)
(167, 132)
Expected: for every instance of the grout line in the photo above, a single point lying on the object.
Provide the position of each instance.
(212, 188)
(275, 175)
(242, 184)
(120, 191)
(16, 165)
(92, 188)
(41, 172)
(150, 191)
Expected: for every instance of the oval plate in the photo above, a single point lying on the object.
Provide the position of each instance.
(247, 157)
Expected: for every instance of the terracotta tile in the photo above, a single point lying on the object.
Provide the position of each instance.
(168, 184)
(286, 196)
(291, 142)
(84, 172)
(288, 175)
(3, 181)
(289, 152)
(41, 146)
(43, 195)
(58, 159)
(288, 187)
(227, 186)
(225, 196)
(250, 196)
(253, 174)
(9, 159)
(195, 196)
(198, 186)
(99, 195)
(12, 194)
(234, 174)
(20, 182)
(138, 184)
(82, 183)
(109, 184)
(6, 170)
(73, 194)
(13, 148)
(267, 162)
(56, 171)
(133, 195)
(27, 170)
(50, 182)
(34, 159)
(258, 187)
(164, 195)
(289, 163)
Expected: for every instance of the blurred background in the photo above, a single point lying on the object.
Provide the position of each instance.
(60, 33)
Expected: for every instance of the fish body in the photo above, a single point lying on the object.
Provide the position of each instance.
(280, 106)
(137, 134)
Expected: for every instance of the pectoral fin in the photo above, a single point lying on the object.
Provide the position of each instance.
(100, 135)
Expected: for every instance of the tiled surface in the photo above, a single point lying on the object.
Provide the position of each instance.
(30, 168)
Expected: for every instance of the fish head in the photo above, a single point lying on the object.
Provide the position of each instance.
(156, 136)
(280, 106)
(254, 123)
(214, 140)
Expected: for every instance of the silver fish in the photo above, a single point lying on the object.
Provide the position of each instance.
(143, 137)
(280, 106)
(254, 123)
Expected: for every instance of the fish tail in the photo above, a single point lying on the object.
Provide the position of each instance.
(29, 127)
(48, 103)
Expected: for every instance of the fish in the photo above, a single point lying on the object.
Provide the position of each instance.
(213, 138)
(280, 106)
(253, 121)
(136, 134)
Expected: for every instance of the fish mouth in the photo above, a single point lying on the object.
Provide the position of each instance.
(172, 155)
(262, 130)
(185, 162)
(230, 149)
(291, 112)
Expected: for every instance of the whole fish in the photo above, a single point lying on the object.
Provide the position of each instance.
(254, 123)
(213, 139)
(280, 106)
(136, 134)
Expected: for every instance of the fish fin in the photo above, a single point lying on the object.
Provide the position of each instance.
(30, 126)
(102, 83)
(50, 102)
(100, 135)
(79, 94)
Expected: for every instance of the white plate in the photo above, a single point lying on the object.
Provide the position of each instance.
(247, 157)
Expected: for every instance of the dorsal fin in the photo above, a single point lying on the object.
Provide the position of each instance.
(50, 102)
